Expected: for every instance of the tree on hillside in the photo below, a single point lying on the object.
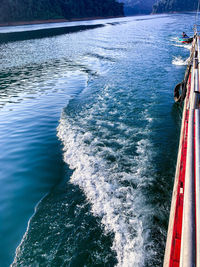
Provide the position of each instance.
(175, 6)
(24, 10)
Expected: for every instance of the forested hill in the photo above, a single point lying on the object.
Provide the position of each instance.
(27, 10)
(133, 7)
(175, 6)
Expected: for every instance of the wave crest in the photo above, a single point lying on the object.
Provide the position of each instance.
(114, 191)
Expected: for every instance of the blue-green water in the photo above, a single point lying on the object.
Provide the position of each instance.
(88, 137)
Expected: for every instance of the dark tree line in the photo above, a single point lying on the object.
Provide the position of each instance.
(175, 6)
(24, 10)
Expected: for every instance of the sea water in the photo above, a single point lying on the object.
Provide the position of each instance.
(89, 136)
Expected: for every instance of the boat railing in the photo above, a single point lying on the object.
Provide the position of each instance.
(188, 252)
(190, 237)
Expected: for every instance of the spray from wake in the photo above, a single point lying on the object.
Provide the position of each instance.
(175, 39)
(186, 46)
(111, 178)
(179, 61)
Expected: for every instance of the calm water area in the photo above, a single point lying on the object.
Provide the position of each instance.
(88, 138)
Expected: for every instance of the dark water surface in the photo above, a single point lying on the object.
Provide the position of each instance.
(88, 137)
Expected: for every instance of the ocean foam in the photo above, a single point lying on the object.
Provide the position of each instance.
(186, 46)
(175, 39)
(107, 185)
(179, 61)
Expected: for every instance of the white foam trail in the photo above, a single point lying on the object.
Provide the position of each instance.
(186, 46)
(120, 206)
(179, 61)
(175, 39)
(180, 44)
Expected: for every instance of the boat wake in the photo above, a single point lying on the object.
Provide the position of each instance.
(98, 148)
(175, 39)
(186, 46)
(179, 61)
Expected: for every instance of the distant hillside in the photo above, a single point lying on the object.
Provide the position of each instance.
(175, 6)
(26, 10)
(132, 7)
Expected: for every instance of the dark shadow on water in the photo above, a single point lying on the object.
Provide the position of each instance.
(159, 192)
(177, 110)
(63, 232)
(101, 57)
(43, 33)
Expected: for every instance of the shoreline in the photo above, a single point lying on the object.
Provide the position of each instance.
(173, 12)
(33, 22)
